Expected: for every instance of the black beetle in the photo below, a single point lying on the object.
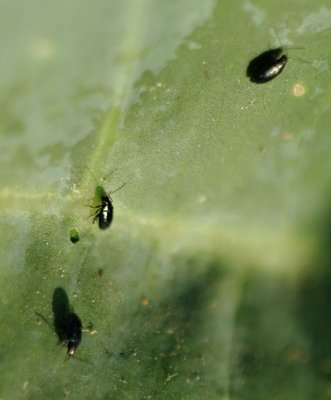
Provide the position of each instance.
(267, 65)
(73, 333)
(104, 213)
(105, 210)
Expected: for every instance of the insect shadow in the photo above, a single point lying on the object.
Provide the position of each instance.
(105, 211)
(66, 324)
(61, 310)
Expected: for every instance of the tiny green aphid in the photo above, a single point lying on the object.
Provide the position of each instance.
(74, 235)
(267, 65)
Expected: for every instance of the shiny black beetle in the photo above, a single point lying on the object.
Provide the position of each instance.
(267, 65)
(104, 213)
(73, 333)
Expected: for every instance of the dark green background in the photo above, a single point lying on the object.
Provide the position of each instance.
(215, 277)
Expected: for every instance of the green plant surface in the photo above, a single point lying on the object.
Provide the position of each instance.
(213, 280)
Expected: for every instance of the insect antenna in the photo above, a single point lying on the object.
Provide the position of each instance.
(45, 320)
(51, 327)
(112, 192)
(95, 179)
(116, 190)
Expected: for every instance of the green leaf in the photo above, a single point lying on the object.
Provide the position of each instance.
(213, 280)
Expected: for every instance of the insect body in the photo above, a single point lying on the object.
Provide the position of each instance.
(73, 333)
(104, 211)
(267, 65)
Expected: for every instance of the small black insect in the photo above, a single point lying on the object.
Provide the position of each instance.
(66, 323)
(73, 333)
(267, 65)
(104, 211)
